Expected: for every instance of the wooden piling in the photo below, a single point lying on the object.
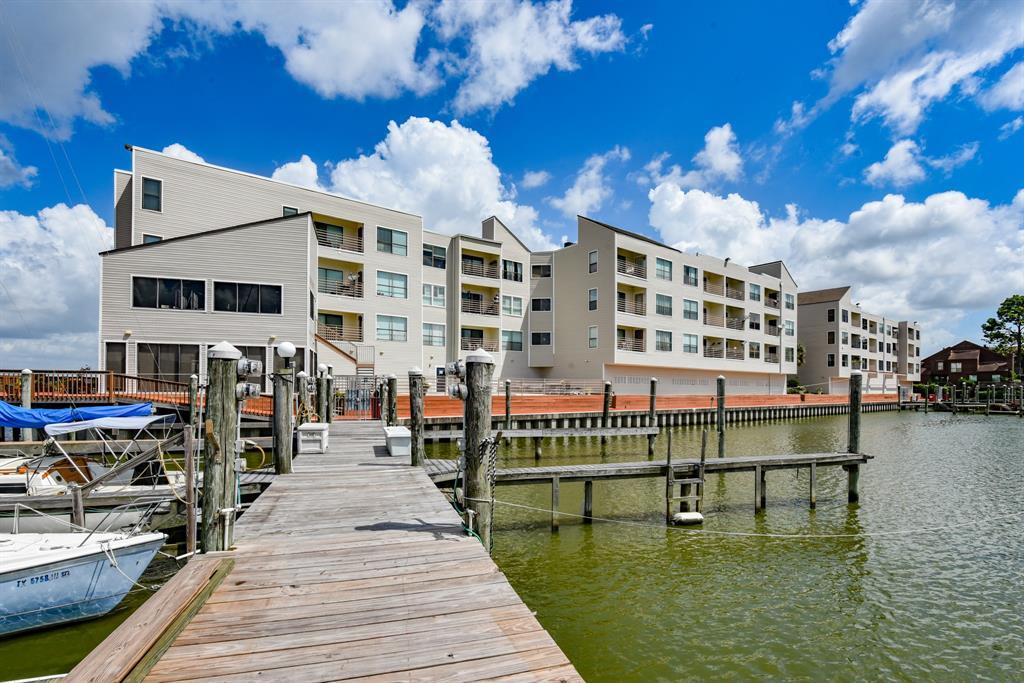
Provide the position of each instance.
(393, 400)
(27, 433)
(652, 415)
(508, 406)
(330, 394)
(536, 448)
(77, 505)
(720, 414)
(321, 393)
(554, 503)
(669, 478)
(416, 397)
(479, 369)
(219, 447)
(758, 482)
(283, 420)
(853, 471)
(813, 484)
(588, 501)
(191, 442)
(606, 408)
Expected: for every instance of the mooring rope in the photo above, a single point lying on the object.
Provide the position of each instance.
(754, 534)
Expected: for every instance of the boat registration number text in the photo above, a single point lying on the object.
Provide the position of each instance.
(43, 578)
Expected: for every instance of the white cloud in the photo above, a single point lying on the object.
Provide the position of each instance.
(532, 179)
(886, 249)
(958, 158)
(719, 160)
(443, 172)
(900, 167)
(1008, 92)
(11, 172)
(303, 172)
(509, 44)
(591, 187)
(51, 285)
(1011, 127)
(180, 151)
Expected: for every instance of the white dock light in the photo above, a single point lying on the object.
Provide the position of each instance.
(286, 350)
(322, 368)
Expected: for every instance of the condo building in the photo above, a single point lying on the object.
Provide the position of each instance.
(204, 254)
(839, 337)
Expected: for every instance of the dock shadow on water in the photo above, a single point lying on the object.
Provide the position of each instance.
(641, 601)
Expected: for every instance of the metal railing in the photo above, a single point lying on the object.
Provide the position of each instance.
(714, 319)
(714, 287)
(365, 355)
(734, 293)
(338, 333)
(630, 344)
(343, 241)
(734, 353)
(773, 330)
(771, 303)
(550, 387)
(469, 344)
(634, 307)
(630, 267)
(480, 307)
(734, 323)
(771, 358)
(713, 352)
(480, 269)
(352, 290)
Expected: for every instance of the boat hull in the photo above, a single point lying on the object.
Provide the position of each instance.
(83, 587)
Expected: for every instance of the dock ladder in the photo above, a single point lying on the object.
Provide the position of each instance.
(691, 489)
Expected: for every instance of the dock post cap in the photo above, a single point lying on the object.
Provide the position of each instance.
(225, 350)
(392, 376)
(855, 372)
(415, 371)
(721, 377)
(302, 373)
(193, 376)
(26, 371)
(479, 356)
(607, 383)
(507, 382)
(322, 368)
(654, 379)
(286, 350)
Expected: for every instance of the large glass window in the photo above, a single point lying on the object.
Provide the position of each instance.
(512, 270)
(392, 241)
(690, 275)
(172, 293)
(392, 328)
(245, 297)
(540, 270)
(663, 269)
(540, 339)
(511, 340)
(152, 194)
(116, 357)
(846, 316)
(511, 305)
(755, 292)
(592, 299)
(663, 304)
(830, 360)
(690, 342)
(394, 285)
(662, 340)
(540, 304)
(434, 256)
(171, 362)
(690, 310)
(433, 295)
(433, 334)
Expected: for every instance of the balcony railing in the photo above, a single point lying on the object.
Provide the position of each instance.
(773, 331)
(634, 307)
(771, 303)
(771, 358)
(714, 352)
(470, 344)
(338, 333)
(714, 319)
(734, 293)
(734, 353)
(629, 344)
(714, 287)
(734, 323)
(478, 269)
(352, 290)
(343, 241)
(480, 307)
(630, 267)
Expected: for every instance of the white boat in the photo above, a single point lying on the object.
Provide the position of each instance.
(50, 579)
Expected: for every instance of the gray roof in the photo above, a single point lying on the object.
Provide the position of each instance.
(820, 296)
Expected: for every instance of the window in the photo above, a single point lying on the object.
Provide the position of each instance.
(433, 295)
(831, 315)
(392, 241)
(790, 354)
(690, 275)
(592, 299)
(151, 239)
(540, 304)
(541, 270)
(830, 360)
(540, 339)
(845, 360)
(995, 378)
(755, 349)
(755, 292)
(690, 311)
(116, 357)
(663, 269)
(182, 295)
(941, 365)
(662, 340)
(289, 211)
(846, 316)
(434, 256)
(392, 328)
(171, 362)
(152, 194)
(846, 338)
(690, 343)
(592, 336)
(433, 335)
(917, 335)
(593, 262)
(242, 297)
(831, 337)
(394, 285)
(663, 304)
(511, 305)
(956, 366)
(791, 303)
(755, 321)
(790, 328)
(511, 270)
(511, 340)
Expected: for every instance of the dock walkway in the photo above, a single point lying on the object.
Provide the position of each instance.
(355, 567)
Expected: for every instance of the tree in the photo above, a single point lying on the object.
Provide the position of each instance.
(1005, 332)
(801, 354)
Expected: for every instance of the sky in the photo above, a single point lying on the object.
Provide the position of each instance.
(872, 144)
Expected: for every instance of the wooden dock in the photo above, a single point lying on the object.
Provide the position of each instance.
(353, 567)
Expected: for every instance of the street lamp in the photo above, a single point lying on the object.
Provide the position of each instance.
(286, 350)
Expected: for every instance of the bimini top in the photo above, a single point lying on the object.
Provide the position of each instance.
(105, 423)
(38, 418)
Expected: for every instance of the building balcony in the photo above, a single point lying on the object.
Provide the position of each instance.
(633, 307)
(771, 358)
(734, 353)
(633, 267)
(717, 288)
(714, 352)
(337, 239)
(480, 307)
(773, 330)
(629, 344)
(352, 290)
(734, 323)
(338, 333)
(714, 319)
(771, 303)
(734, 293)
(471, 344)
(477, 269)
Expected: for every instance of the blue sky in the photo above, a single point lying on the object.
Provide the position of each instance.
(871, 144)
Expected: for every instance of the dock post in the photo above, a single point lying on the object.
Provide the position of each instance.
(554, 503)
(508, 408)
(588, 501)
(321, 393)
(853, 471)
(758, 482)
(77, 505)
(813, 492)
(393, 400)
(479, 369)
(416, 415)
(536, 448)
(720, 415)
(27, 434)
(606, 409)
(283, 411)
(191, 439)
(652, 415)
(669, 478)
(330, 394)
(220, 446)
(927, 393)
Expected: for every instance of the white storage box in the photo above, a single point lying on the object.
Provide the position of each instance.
(313, 437)
(399, 440)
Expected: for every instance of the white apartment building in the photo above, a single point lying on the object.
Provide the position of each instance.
(205, 253)
(838, 337)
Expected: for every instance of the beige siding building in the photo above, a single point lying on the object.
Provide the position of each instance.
(839, 337)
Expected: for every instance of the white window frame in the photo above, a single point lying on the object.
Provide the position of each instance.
(595, 300)
(670, 306)
(432, 336)
(540, 298)
(593, 265)
(376, 285)
(657, 262)
(432, 296)
(159, 238)
(592, 337)
(547, 332)
(376, 238)
(376, 327)
(287, 215)
(142, 193)
(522, 346)
(669, 333)
(212, 282)
(696, 343)
(696, 309)
(511, 308)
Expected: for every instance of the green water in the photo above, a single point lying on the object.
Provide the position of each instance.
(643, 603)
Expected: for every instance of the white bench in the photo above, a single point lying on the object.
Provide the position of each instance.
(313, 437)
(399, 440)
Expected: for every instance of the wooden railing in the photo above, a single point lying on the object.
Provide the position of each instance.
(480, 307)
(734, 293)
(712, 352)
(338, 333)
(352, 290)
(634, 307)
(714, 287)
(89, 386)
(480, 269)
(630, 344)
(344, 241)
(630, 267)
(468, 344)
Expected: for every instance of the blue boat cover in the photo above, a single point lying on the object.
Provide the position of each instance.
(37, 418)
